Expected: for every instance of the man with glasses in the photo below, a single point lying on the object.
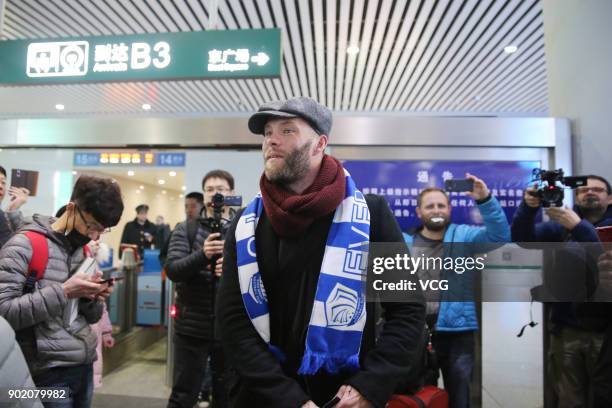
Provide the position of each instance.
(578, 329)
(193, 255)
(59, 350)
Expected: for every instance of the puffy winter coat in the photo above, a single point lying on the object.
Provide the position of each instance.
(12, 361)
(38, 317)
(186, 266)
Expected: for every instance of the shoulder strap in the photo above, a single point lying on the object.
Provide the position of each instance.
(39, 260)
(418, 401)
(192, 230)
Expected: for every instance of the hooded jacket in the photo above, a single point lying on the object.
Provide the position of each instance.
(38, 317)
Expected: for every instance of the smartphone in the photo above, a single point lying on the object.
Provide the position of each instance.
(331, 403)
(25, 179)
(459, 186)
(110, 281)
(604, 233)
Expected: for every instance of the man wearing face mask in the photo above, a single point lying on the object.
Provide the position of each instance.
(59, 351)
(453, 323)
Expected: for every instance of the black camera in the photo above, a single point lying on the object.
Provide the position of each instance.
(551, 184)
(219, 201)
(218, 204)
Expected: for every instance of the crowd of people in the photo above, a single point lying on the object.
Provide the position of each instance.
(255, 287)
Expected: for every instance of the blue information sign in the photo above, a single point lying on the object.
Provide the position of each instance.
(401, 181)
(129, 158)
(170, 159)
(149, 296)
(86, 159)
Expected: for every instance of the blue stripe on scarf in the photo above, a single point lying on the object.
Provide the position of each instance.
(335, 354)
(255, 309)
(242, 254)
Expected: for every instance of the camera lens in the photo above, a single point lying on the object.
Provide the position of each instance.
(552, 195)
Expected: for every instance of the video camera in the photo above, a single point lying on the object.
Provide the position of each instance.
(551, 184)
(219, 201)
(218, 204)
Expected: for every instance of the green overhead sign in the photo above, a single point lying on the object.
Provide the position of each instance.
(143, 57)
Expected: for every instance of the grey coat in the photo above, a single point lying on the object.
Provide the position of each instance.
(12, 361)
(10, 223)
(37, 317)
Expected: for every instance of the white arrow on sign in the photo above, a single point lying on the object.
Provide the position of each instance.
(261, 58)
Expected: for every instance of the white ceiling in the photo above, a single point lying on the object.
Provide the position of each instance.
(149, 178)
(419, 56)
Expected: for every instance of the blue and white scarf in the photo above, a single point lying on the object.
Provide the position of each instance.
(339, 315)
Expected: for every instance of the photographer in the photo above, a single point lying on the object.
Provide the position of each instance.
(192, 251)
(577, 328)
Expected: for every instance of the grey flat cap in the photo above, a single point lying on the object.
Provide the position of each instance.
(317, 115)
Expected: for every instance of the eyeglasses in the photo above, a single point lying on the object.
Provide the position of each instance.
(217, 189)
(91, 227)
(584, 190)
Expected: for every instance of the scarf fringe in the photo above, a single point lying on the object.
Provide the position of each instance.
(333, 364)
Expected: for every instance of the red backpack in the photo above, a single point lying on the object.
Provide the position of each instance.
(40, 258)
(38, 263)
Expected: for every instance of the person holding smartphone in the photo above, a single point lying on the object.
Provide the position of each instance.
(11, 219)
(451, 315)
(59, 352)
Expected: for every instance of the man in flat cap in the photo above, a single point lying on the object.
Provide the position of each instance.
(291, 312)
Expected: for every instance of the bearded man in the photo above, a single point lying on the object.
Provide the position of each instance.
(452, 315)
(579, 354)
(291, 306)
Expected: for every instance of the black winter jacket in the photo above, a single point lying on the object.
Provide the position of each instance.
(134, 233)
(586, 315)
(186, 266)
(290, 271)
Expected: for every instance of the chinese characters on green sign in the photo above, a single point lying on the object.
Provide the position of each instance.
(161, 56)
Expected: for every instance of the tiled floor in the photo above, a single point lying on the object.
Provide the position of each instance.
(140, 382)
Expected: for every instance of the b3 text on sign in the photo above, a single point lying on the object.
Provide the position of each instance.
(162, 56)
